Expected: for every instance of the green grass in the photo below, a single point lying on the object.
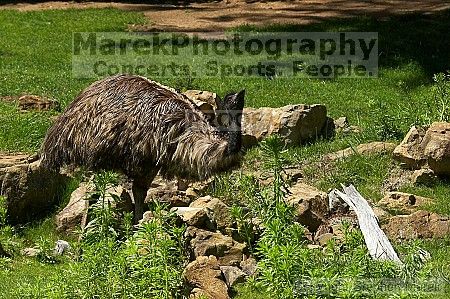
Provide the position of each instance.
(35, 58)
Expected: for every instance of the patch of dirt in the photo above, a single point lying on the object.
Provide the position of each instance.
(221, 15)
(397, 179)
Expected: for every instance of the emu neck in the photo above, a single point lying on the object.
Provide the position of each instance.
(234, 142)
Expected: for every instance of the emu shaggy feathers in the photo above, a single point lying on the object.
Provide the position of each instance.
(137, 126)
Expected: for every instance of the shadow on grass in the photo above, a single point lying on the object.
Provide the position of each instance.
(420, 38)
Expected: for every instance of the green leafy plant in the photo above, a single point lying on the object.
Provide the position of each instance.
(103, 223)
(287, 268)
(441, 93)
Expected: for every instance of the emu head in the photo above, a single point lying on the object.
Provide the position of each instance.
(228, 117)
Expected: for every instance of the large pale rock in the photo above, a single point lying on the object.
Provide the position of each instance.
(410, 151)
(203, 242)
(218, 212)
(403, 203)
(431, 146)
(419, 225)
(310, 203)
(193, 216)
(233, 275)
(75, 213)
(293, 123)
(370, 148)
(30, 190)
(204, 276)
(436, 145)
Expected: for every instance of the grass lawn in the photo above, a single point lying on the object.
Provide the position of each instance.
(35, 58)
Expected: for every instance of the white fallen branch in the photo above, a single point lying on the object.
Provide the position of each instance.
(377, 243)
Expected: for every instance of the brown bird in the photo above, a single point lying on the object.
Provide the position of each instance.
(136, 126)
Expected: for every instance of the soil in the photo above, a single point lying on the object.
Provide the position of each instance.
(221, 15)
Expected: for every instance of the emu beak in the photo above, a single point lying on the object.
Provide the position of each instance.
(241, 93)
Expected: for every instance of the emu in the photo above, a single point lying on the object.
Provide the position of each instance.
(138, 127)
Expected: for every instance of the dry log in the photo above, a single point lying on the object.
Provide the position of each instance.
(377, 243)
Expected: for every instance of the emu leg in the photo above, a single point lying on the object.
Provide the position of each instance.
(139, 194)
(140, 188)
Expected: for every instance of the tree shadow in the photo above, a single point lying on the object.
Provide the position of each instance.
(413, 38)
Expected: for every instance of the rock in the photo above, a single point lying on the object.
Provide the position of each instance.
(436, 145)
(120, 199)
(311, 205)
(423, 146)
(204, 275)
(371, 148)
(324, 238)
(31, 252)
(14, 159)
(210, 243)
(30, 190)
(191, 192)
(233, 256)
(328, 129)
(168, 192)
(308, 235)
(341, 123)
(381, 214)
(249, 141)
(419, 225)
(193, 216)
(147, 217)
(33, 102)
(403, 203)
(203, 242)
(75, 213)
(197, 293)
(249, 266)
(203, 96)
(292, 174)
(423, 176)
(61, 246)
(233, 275)
(218, 212)
(204, 100)
(352, 129)
(295, 124)
(409, 151)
